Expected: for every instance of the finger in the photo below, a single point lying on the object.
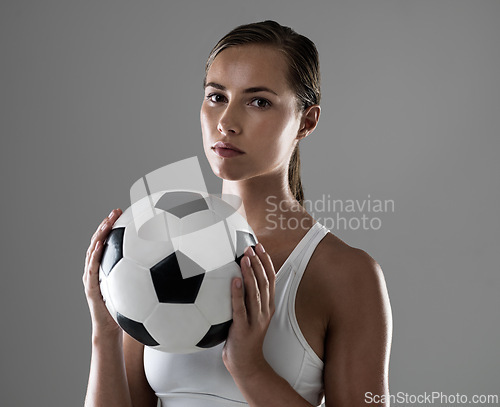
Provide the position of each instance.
(101, 225)
(261, 278)
(102, 232)
(99, 236)
(92, 276)
(252, 293)
(267, 263)
(109, 220)
(238, 302)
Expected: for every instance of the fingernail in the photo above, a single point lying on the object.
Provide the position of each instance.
(247, 261)
(260, 248)
(238, 283)
(250, 251)
(111, 213)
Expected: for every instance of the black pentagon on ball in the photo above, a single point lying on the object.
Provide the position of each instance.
(243, 240)
(238, 259)
(215, 335)
(182, 203)
(113, 250)
(136, 330)
(169, 284)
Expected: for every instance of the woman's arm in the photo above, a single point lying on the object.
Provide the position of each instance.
(358, 341)
(107, 384)
(115, 378)
(117, 374)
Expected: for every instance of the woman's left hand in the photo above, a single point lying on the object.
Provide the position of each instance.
(253, 308)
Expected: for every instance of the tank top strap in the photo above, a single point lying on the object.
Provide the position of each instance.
(315, 235)
(302, 251)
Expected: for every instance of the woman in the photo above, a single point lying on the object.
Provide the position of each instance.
(311, 316)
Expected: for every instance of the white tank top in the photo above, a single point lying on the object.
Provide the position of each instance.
(201, 379)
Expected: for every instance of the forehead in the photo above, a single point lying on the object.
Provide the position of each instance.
(246, 66)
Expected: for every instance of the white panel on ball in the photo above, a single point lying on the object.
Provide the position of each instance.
(132, 290)
(237, 222)
(199, 220)
(202, 246)
(162, 227)
(144, 252)
(144, 211)
(186, 327)
(214, 297)
(105, 294)
(125, 218)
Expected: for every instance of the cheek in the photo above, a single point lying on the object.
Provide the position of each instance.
(279, 135)
(205, 122)
(203, 118)
(284, 144)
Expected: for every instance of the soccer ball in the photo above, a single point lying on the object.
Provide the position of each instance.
(167, 267)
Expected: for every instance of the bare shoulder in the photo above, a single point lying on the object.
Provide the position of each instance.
(333, 258)
(348, 279)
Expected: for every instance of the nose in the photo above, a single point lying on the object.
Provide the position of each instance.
(229, 121)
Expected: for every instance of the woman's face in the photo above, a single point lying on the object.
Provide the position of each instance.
(249, 104)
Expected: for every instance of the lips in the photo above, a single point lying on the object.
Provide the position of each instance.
(228, 146)
(226, 150)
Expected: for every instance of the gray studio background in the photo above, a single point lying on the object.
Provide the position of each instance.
(96, 94)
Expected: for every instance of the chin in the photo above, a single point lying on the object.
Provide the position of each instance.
(228, 174)
(226, 170)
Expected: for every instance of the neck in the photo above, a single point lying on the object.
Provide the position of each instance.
(264, 199)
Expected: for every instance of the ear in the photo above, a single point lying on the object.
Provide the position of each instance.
(309, 121)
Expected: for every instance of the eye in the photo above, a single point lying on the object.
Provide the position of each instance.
(216, 98)
(261, 103)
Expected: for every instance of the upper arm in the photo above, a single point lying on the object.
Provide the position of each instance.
(140, 391)
(358, 340)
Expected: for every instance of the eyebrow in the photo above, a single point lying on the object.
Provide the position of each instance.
(254, 89)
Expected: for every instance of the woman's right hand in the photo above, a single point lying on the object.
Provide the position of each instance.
(102, 321)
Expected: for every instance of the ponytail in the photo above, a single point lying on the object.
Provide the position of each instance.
(294, 181)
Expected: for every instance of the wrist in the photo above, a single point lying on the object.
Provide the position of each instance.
(251, 371)
(107, 338)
